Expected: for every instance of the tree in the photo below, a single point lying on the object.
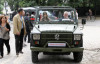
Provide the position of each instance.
(11, 4)
(82, 3)
(15, 4)
(1, 6)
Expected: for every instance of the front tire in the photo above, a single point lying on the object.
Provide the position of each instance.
(34, 57)
(78, 56)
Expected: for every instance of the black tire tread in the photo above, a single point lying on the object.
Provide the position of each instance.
(34, 57)
(78, 56)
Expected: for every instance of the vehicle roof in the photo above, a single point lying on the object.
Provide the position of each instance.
(54, 7)
(27, 8)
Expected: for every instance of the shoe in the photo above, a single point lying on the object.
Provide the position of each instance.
(8, 53)
(28, 41)
(1, 57)
(17, 54)
(21, 52)
(24, 45)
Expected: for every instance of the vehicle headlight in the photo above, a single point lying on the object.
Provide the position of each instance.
(36, 36)
(77, 37)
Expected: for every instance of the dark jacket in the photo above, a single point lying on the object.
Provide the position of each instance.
(28, 23)
(8, 27)
(3, 33)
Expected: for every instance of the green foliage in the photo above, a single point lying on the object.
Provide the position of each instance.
(30, 3)
(1, 6)
(12, 4)
(15, 4)
(83, 3)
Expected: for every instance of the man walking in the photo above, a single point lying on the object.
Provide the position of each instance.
(19, 31)
(28, 27)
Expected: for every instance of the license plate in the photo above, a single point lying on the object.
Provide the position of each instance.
(56, 44)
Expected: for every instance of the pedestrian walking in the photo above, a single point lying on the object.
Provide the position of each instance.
(4, 35)
(19, 31)
(25, 26)
(28, 30)
(90, 14)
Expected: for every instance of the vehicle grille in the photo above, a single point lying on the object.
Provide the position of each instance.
(45, 37)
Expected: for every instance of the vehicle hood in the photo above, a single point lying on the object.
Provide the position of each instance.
(53, 28)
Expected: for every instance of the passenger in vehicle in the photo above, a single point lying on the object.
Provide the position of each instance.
(45, 17)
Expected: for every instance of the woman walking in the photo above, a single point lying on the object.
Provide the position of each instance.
(4, 35)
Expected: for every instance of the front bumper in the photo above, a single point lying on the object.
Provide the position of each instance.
(40, 49)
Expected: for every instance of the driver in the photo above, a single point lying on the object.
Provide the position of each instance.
(45, 17)
(65, 15)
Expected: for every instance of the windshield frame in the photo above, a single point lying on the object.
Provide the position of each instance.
(59, 8)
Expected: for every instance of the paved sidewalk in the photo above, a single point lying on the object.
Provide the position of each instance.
(91, 53)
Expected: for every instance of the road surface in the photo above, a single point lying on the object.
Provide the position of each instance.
(91, 55)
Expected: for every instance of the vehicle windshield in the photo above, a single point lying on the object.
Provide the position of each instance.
(56, 15)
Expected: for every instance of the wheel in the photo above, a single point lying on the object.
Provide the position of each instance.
(78, 56)
(34, 57)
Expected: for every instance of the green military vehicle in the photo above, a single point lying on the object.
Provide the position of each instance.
(59, 35)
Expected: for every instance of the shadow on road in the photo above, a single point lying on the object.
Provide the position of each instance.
(56, 59)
